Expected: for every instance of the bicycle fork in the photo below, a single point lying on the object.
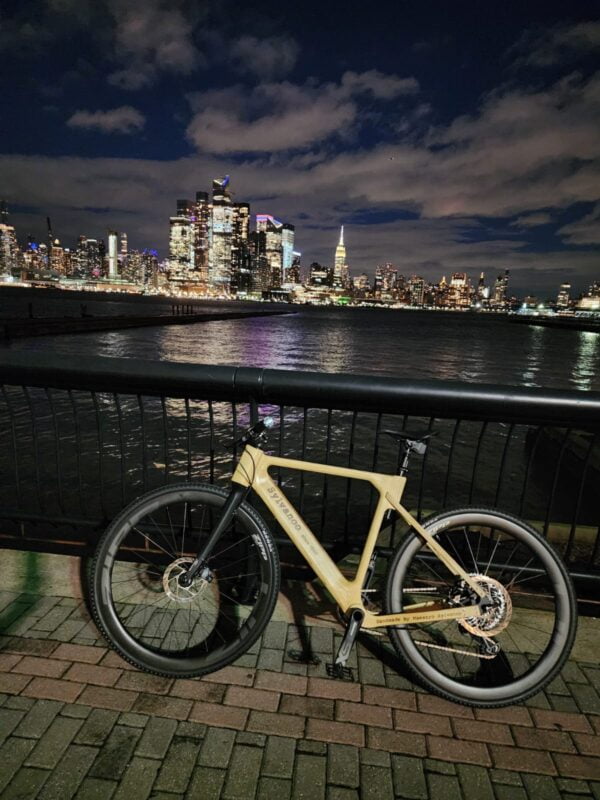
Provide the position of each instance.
(234, 500)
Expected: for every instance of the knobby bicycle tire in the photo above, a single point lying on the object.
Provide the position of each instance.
(145, 615)
(535, 624)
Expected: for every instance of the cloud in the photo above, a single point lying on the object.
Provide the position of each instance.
(124, 119)
(533, 220)
(271, 57)
(558, 44)
(150, 37)
(584, 231)
(284, 116)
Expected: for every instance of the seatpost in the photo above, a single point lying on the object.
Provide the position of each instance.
(404, 466)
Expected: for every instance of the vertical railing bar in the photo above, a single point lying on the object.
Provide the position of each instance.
(235, 426)
(140, 400)
(13, 428)
(280, 443)
(555, 480)
(503, 464)
(538, 434)
(77, 449)
(303, 458)
(211, 444)
(57, 459)
(188, 418)
(36, 451)
(577, 509)
(349, 481)
(100, 451)
(117, 400)
(165, 422)
(476, 459)
(326, 477)
(450, 457)
(422, 477)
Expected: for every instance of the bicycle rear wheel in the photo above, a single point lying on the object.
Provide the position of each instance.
(145, 614)
(532, 620)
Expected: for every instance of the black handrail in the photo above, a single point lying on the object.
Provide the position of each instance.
(365, 393)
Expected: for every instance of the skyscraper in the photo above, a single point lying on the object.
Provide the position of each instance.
(181, 245)
(340, 268)
(201, 220)
(113, 271)
(222, 235)
(273, 230)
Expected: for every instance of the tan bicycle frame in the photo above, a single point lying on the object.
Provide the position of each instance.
(253, 471)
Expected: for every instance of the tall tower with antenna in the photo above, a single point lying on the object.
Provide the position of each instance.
(340, 267)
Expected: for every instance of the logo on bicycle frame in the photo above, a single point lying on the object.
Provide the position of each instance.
(286, 511)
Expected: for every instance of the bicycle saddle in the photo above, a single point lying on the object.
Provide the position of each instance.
(410, 437)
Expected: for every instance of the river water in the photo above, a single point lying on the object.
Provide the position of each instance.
(475, 348)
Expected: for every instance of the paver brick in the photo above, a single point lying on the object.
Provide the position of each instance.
(335, 690)
(239, 676)
(47, 667)
(246, 697)
(343, 766)
(396, 741)
(77, 652)
(375, 758)
(432, 704)
(50, 748)
(325, 730)
(207, 783)
(116, 753)
(223, 716)
(559, 720)
(584, 767)
(33, 647)
(12, 754)
(274, 789)
(35, 723)
(541, 787)
(540, 739)
(483, 731)
(587, 744)
(216, 748)
(156, 738)
(457, 750)
(172, 707)
(11, 683)
(198, 690)
(8, 661)
(409, 777)
(445, 786)
(318, 707)
(511, 715)
(475, 782)
(376, 783)
(391, 698)
(277, 724)
(143, 682)
(54, 689)
(93, 674)
(309, 778)
(281, 682)
(419, 722)
(243, 772)
(279, 757)
(363, 714)
(191, 730)
(97, 727)
(522, 760)
(177, 767)
(96, 789)
(26, 784)
(136, 783)
(9, 719)
(106, 697)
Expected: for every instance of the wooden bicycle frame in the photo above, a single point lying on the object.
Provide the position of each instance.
(253, 471)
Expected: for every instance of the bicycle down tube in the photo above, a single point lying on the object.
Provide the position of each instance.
(253, 471)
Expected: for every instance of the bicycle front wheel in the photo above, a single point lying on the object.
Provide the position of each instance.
(519, 644)
(145, 614)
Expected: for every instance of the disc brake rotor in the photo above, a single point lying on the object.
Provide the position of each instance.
(172, 587)
(495, 618)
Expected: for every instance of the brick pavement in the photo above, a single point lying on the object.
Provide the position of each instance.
(78, 722)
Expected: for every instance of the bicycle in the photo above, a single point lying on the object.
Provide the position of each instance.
(479, 607)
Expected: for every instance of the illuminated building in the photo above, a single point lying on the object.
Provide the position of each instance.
(241, 260)
(340, 267)
(416, 289)
(261, 270)
(320, 276)
(34, 257)
(563, 298)
(293, 275)
(288, 233)
(459, 291)
(591, 300)
(222, 235)
(56, 259)
(92, 258)
(273, 230)
(181, 250)
(483, 291)
(9, 249)
(201, 221)
(498, 299)
(113, 271)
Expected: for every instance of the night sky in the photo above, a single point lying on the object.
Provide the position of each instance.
(445, 136)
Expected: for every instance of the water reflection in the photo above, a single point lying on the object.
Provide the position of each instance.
(535, 354)
(587, 363)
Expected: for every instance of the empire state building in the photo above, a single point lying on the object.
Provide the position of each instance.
(340, 268)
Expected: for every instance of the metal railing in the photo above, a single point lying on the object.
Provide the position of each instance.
(78, 441)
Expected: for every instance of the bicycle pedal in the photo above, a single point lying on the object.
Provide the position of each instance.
(339, 671)
(302, 657)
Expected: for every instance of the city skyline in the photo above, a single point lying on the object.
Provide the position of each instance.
(441, 142)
